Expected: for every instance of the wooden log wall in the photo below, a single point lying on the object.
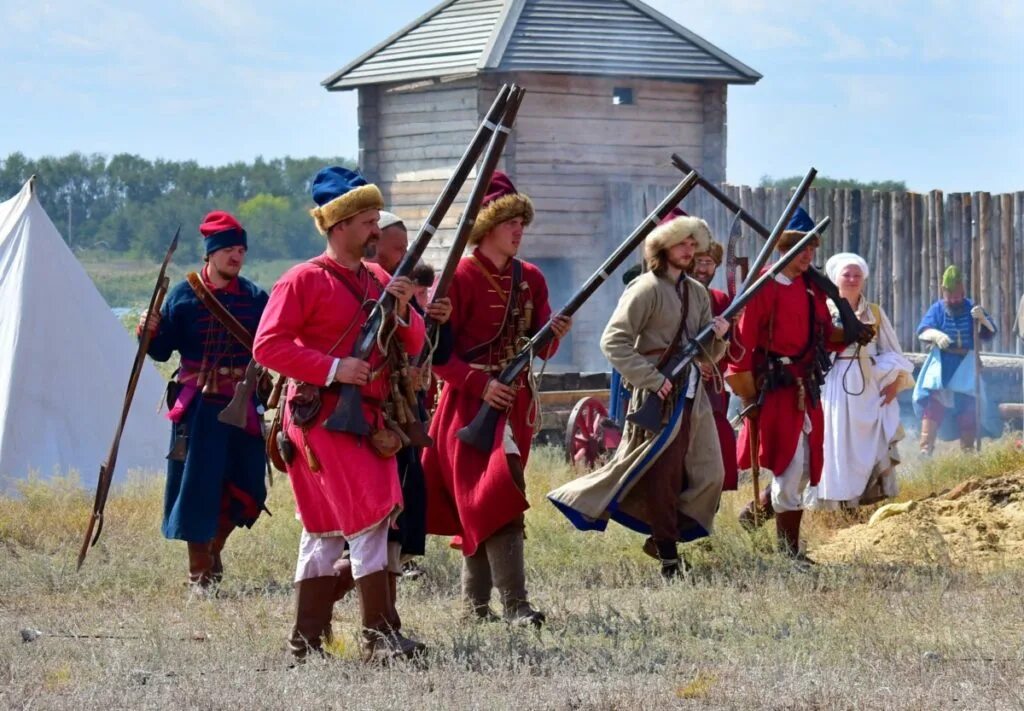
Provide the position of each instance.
(907, 239)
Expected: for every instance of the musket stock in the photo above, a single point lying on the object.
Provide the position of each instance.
(479, 433)
(650, 413)
(348, 414)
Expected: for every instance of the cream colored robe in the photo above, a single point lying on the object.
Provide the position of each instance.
(645, 320)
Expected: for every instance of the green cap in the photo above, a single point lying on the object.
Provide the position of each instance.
(951, 278)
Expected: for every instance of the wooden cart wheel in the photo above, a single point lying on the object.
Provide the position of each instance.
(586, 441)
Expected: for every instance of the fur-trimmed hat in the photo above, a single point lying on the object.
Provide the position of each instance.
(501, 204)
(339, 194)
(673, 229)
(221, 230)
(799, 225)
(715, 251)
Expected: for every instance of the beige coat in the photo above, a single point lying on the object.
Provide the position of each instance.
(645, 321)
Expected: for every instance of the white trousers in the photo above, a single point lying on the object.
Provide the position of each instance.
(788, 488)
(369, 552)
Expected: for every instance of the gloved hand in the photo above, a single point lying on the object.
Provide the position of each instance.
(867, 334)
(936, 338)
(979, 315)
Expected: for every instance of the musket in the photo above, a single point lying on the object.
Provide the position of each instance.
(348, 414)
(469, 215)
(480, 432)
(853, 329)
(649, 414)
(95, 528)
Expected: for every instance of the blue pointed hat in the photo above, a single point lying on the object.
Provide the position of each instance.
(799, 225)
(801, 221)
(339, 194)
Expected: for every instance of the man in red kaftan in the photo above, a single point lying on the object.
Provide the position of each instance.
(345, 491)
(497, 301)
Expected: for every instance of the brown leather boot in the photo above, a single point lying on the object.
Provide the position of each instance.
(508, 570)
(381, 643)
(929, 430)
(668, 554)
(763, 507)
(314, 604)
(200, 566)
(787, 528)
(224, 530)
(476, 585)
(344, 582)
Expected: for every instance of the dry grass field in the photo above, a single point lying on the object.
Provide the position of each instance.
(744, 631)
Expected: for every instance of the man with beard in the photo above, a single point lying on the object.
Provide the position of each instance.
(497, 300)
(946, 383)
(408, 538)
(666, 484)
(705, 264)
(346, 486)
(777, 369)
(215, 472)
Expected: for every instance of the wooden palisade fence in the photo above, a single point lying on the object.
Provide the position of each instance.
(908, 239)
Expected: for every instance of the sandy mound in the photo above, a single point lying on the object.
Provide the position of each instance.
(979, 523)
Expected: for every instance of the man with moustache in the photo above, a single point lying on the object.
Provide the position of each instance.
(346, 486)
(215, 474)
(667, 484)
(498, 300)
(705, 264)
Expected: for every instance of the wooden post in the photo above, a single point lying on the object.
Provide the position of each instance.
(884, 238)
(1007, 295)
(870, 240)
(854, 208)
(984, 295)
(898, 276)
(974, 287)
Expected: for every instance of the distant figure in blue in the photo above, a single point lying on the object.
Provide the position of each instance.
(215, 471)
(945, 385)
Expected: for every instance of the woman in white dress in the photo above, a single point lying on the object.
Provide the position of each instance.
(862, 416)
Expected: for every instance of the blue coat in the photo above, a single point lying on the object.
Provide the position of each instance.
(221, 481)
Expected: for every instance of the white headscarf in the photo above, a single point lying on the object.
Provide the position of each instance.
(837, 262)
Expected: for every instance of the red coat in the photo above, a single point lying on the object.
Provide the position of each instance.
(720, 405)
(471, 493)
(776, 320)
(309, 310)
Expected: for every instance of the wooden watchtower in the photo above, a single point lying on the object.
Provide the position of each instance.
(613, 88)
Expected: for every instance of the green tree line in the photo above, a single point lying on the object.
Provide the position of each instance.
(823, 181)
(129, 205)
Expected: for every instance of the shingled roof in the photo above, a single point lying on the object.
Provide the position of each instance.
(592, 37)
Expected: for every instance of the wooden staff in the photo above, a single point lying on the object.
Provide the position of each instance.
(977, 384)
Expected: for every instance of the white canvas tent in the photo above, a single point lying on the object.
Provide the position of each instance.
(64, 361)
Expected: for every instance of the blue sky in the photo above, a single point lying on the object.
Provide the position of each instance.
(928, 91)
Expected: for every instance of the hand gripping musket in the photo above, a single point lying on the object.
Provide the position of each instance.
(107, 468)
(853, 329)
(348, 414)
(480, 432)
(649, 414)
(469, 215)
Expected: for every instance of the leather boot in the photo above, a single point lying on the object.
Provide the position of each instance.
(787, 528)
(224, 530)
(200, 566)
(344, 583)
(668, 554)
(929, 429)
(508, 570)
(381, 643)
(968, 432)
(763, 507)
(476, 585)
(314, 604)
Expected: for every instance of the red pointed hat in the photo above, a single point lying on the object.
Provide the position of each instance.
(676, 212)
(221, 230)
(501, 204)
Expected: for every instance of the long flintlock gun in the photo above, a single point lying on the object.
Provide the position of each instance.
(348, 414)
(853, 329)
(480, 432)
(95, 528)
(469, 215)
(649, 414)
